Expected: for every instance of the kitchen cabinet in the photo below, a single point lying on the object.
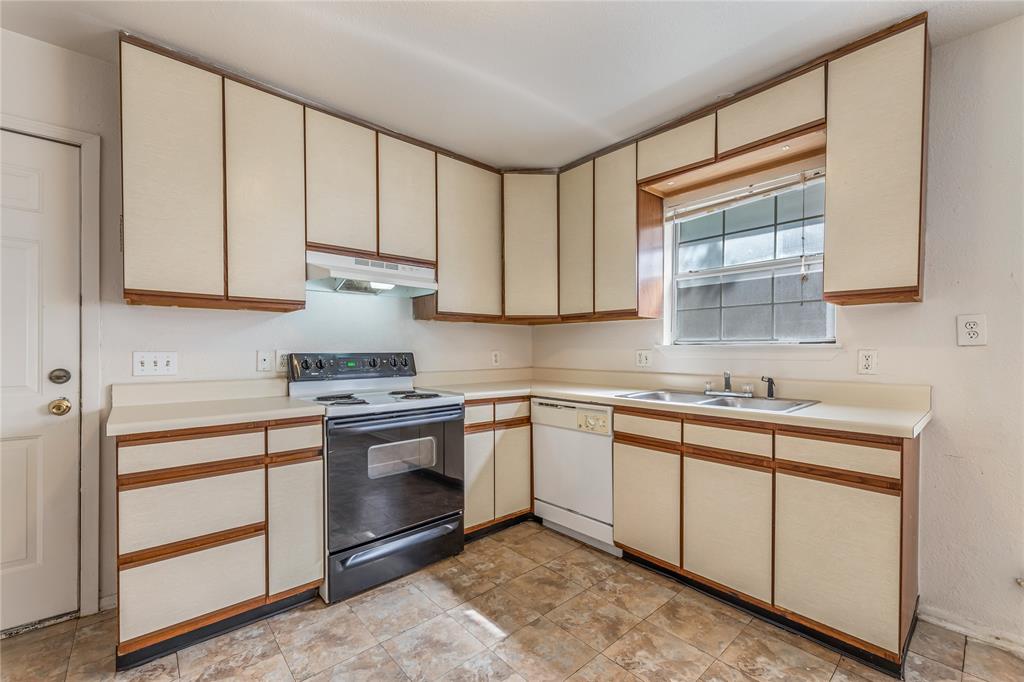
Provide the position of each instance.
(531, 244)
(498, 460)
(874, 187)
(615, 232)
(407, 183)
(295, 525)
(341, 185)
(479, 472)
(512, 475)
(266, 242)
(172, 179)
(676, 149)
(646, 500)
(576, 241)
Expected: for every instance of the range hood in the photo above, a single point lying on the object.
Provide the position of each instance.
(358, 275)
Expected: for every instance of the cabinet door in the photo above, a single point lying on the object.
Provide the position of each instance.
(837, 557)
(680, 147)
(479, 453)
(468, 239)
(265, 195)
(615, 231)
(408, 195)
(576, 240)
(295, 525)
(531, 244)
(511, 470)
(646, 496)
(874, 161)
(172, 162)
(782, 108)
(727, 525)
(341, 183)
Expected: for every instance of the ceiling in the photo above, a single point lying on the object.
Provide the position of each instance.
(512, 84)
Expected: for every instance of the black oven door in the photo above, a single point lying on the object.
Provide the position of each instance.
(388, 473)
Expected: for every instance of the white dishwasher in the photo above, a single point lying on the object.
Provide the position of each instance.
(572, 466)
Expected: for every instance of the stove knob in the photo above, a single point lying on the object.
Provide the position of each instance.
(405, 361)
(372, 362)
(319, 364)
(305, 364)
(393, 361)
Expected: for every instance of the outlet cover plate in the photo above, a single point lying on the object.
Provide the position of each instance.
(264, 361)
(495, 358)
(971, 330)
(867, 361)
(281, 360)
(643, 358)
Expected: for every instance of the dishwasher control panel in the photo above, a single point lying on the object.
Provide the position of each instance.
(594, 421)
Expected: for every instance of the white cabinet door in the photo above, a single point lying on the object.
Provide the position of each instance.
(576, 240)
(295, 525)
(680, 147)
(873, 157)
(172, 160)
(531, 244)
(468, 239)
(408, 195)
(837, 557)
(341, 183)
(779, 109)
(615, 245)
(647, 490)
(727, 525)
(479, 454)
(265, 195)
(511, 470)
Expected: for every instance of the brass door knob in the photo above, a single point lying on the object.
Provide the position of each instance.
(59, 407)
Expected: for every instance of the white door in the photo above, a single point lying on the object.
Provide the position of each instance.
(39, 450)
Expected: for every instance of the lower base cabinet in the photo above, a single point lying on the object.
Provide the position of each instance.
(511, 470)
(646, 500)
(295, 547)
(498, 460)
(479, 453)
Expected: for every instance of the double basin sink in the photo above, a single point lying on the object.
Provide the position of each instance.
(683, 398)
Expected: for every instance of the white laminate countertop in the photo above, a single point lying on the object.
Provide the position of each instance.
(882, 421)
(126, 419)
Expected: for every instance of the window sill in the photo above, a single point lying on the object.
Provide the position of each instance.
(817, 352)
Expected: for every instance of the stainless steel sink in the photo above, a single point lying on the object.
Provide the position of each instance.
(668, 396)
(773, 405)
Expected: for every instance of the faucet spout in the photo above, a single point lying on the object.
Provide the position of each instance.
(727, 380)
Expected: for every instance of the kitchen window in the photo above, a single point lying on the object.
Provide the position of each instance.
(747, 265)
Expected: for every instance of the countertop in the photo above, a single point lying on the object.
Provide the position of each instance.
(187, 415)
(883, 421)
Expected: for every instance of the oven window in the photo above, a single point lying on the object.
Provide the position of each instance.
(390, 459)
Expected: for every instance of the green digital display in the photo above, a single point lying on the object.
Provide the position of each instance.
(350, 363)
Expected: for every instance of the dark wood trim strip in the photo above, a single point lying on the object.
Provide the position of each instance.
(513, 399)
(134, 297)
(728, 590)
(647, 557)
(500, 519)
(183, 547)
(750, 170)
(728, 457)
(480, 401)
(810, 127)
(727, 423)
(511, 423)
(187, 626)
(869, 482)
(478, 428)
(647, 443)
(843, 438)
(652, 179)
(292, 422)
(662, 415)
(294, 457)
(871, 296)
(284, 594)
(837, 634)
(189, 472)
(153, 437)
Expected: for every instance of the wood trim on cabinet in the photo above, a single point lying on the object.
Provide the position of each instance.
(511, 423)
(480, 401)
(852, 479)
(184, 300)
(862, 440)
(650, 257)
(803, 129)
(187, 626)
(837, 634)
(728, 590)
(740, 173)
(663, 415)
(728, 457)
(500, 519)
(341, 250)
(478, 428)
(294, 457)
(152, 437)
(728, 423)
(183, 547)
(425, 308)
(909, 514)
(647, 443)
(651, 179)
(647, 557)
(509, 399)
(872, 296)
(291, 422)
(189, 472)
(284, 594)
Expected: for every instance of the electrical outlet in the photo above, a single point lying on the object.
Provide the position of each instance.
(495, 358)
(264, 361)
(154, 363)
(281, 360)
(643, 358)
(971, 330)
(867, 361)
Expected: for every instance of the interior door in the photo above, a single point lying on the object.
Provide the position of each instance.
(39, 317)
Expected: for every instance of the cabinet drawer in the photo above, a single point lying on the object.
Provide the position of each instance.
(165, 593)
(478, 414)
(751, 442)
(512, 410)
(176, 453)
(304, 437)
(877, 459)
(160, 514)
(670, 430)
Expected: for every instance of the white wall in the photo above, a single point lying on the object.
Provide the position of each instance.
(972, 489)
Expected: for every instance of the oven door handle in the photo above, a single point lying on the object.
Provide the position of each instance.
(367, 426)
(399, 545)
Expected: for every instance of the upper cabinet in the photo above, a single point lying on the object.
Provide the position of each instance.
(576, 241)
(615, 246)
(341, 185)
(172, 178)
(263, 142)
(779, 111)
(407, 183)
(676, 149)
(874, 194)
(531, 244)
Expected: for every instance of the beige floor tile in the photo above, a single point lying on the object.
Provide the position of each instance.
(496, 562)
(544, 546)
(310, 613)
(720, 672)
(633, 592)
(654, 577)
(768, 658)
(991, 663)
(593, 620)
(493, 616)
(939, 644)
(543, 651)
(328, 640)
(542, 589)
(760, 628)
(484, 667)
(102, 670)
(33, 637)
(854, 670)
(971, 678)
(35, 659)
(256, 669)
(388, 612)
(706, 623)
(586, 566)
(651, 653)
(516, 532)
(450, 582)
(233, 650)
(431, 649)
(373, 665)
(94, 640)
(602, 669)
(920, 669)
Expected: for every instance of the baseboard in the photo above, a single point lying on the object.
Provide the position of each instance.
(996, 639)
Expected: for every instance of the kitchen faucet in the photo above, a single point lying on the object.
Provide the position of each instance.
(727, 388)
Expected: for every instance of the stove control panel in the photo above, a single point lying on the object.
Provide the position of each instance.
(321, 366)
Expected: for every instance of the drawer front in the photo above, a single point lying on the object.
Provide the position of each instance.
(670, 430)
(478, 414)
(866, 459)
(176, 453)
(305, 437)
(512, 410)
(164, 593)
(748, 442)
(159, 514)
(788, 105)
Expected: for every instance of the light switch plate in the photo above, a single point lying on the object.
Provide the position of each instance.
(971, 330)
(264, 361)
(643, 358)
(867, 361)
(154, 363)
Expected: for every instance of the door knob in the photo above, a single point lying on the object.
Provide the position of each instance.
(59, 407)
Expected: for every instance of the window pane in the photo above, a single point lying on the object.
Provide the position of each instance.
(792, 286)
(700, 325)
(701, 293)
(814, 199)
(700, 255)
(790, 205)
(748, 323)
(747, 289)
(700, 228)
(750, 247)
(814, 236)
(801, 321)
(790, 241)
(754, 214)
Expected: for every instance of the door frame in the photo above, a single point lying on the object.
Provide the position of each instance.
(89, 362)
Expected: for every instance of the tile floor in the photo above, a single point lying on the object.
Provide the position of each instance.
(523, 604)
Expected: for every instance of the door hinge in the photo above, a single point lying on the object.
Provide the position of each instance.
(121, 232)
